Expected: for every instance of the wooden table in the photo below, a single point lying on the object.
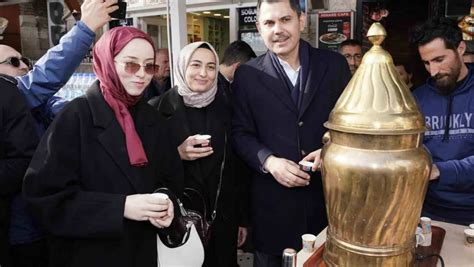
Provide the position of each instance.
(454, 252)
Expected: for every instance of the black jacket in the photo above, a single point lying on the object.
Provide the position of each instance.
(80, 176)
(18, 140)
(230, 213)
(155, 89)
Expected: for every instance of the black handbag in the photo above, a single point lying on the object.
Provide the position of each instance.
(180, 229)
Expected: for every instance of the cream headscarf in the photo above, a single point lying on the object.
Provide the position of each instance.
(193, 99)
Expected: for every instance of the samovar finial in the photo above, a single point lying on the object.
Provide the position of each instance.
(376, 100)
(376, 34)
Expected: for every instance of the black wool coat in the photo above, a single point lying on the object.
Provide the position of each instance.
(266, 122)
(233, 195)
(80, 176)
(18, 140)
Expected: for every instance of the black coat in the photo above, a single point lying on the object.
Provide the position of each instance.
(222, 249)
(80, 176)
(18, 141)
(155, 89)
(266, 121)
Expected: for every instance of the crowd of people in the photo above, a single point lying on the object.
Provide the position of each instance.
(77, 178)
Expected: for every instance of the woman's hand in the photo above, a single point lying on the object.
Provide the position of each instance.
(141, 207)
(187, 151)
(164, 221)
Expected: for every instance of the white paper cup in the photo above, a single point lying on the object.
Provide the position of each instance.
(308, 242)
(471, 226)
(306, 165)
(419, 236)
(204, 137)
(469, 237)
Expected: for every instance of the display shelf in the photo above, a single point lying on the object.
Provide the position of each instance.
(215, 33)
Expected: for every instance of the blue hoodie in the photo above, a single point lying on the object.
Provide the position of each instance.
(451, 197)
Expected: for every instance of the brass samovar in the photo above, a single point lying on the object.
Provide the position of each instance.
(374, 165)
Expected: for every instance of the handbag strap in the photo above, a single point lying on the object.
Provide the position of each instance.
(186, 192)
(219, 186)
(221, 173)
(188, 224)
(180, 209)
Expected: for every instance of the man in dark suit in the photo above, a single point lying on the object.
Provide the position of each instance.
(281, 100)
(18, 140)
(161, 81)
(236, 54)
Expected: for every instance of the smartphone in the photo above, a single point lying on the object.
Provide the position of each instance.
(121, 12)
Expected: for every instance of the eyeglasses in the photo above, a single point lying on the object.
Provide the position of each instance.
(132, 67)
(15, 61)
(357, 57)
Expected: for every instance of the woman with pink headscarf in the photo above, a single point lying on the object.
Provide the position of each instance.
(90, 180)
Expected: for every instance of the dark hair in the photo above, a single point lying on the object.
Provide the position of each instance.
(294, 4)
(205, 46)
(350, 42)
(434, 28)
(237, 51)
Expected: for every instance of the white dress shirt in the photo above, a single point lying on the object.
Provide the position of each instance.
(290, 72)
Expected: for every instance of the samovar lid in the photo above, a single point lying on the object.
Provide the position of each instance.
(376, 100)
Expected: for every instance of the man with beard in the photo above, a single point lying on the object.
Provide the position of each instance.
(447, 102)
(281, 100)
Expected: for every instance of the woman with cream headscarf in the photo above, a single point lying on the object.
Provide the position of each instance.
(91, 178)
(197, 109)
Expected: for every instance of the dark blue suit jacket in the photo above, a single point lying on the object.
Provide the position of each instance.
(266, 121)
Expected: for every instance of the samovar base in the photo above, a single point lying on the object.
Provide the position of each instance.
(335, 255)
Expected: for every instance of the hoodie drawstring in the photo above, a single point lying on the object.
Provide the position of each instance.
(448, 119)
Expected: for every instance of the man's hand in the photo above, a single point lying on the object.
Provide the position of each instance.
(187, 151)
(434, 173)
(241, 236)
(315, 158)
(95, 13)
(286, 172)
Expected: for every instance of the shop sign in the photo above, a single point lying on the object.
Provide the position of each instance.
(247, 16)
(333, 28)
(56, 25)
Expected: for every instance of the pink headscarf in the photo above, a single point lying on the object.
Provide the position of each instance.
(105, 50)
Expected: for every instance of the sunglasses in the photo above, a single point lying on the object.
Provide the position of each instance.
(16, 62)
(132, 67)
